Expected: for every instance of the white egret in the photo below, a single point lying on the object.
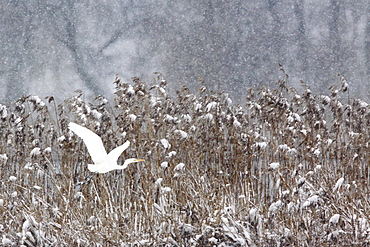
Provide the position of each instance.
(103, 162)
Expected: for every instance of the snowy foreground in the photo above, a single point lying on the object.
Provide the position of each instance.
(285, 169)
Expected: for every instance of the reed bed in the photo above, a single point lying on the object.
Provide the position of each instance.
(288, 168)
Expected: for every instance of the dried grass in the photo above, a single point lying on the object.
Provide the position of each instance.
(263, 174)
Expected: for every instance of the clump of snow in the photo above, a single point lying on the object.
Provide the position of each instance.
(312, 201)
(132, 117)
(3, 111)
(208, 116)
(274, 165)
(290, 207)
(283, 147)
(261, 145)
(197, 107)
(171, 154)
(123, 135)
(47, 150)
(158, 181)
(61, 138)
(329, 141)
(29, 166)
(36, 100)
(165, 143)
(317, 168)
(6, 241)
(304, 132)
(317, 152)
(12, 178)
(169, 119)
(362, 224)
(187, 118)
(275, 207)
(355, 156)
(229, 101)
(213, 240)
(362, 104)
(301, 182)
(97, 115)
(210, 106)
(297, 117)
(3, 158)
(325, 99)
(36, 187)
(236, 123)
(35, 142)
(56, 212)
(335, 234)
(130, 90)
(179, 167)
(35, 152)
(186, 229)
(252, 214)
(29, 232)
(181, 133)
(338, 184)
(18, 120)
(334, 219)
(164, 164)
(162, 90)
(166, 189)
(83, 117)
(353, 134)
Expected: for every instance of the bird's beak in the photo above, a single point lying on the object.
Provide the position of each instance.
(139, 160)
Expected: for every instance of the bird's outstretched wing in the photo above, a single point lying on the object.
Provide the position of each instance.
(115, 153)
(92, 141)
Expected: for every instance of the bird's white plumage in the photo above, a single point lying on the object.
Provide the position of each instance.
(92, 141)
(103, 162)
(115, 153)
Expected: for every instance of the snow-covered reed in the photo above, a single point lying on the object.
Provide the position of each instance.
(287, 168)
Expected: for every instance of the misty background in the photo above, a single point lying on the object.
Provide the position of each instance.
(54, 47)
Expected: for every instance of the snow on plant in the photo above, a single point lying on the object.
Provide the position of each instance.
(164, 164)
(132, 117)
(274, 165)
(182, 134)
(286, 168)
(338, 184)
(211, 106)
(179, 167)
(165, 143)
(35, 152)
(3, 158)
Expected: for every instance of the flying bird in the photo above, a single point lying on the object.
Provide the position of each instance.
(103, 162)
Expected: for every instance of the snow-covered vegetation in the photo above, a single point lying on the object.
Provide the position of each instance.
(288, 168)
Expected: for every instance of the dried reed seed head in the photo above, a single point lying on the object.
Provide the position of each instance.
(226, 151)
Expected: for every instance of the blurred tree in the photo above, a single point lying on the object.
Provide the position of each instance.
(277, 39)
(301, 37)
(335, 33)
(64, 21)
(59, 46)
(17, 27)
(367, 41)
